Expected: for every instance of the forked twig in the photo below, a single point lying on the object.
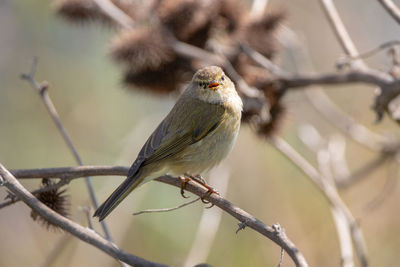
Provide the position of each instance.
(42, 90)
(275, 234)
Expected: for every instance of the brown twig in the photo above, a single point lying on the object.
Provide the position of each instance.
(167, 209)
(42, 90)
(324, 158)
(328, 191)
(85, 234)
(277, 236)
(386, 92)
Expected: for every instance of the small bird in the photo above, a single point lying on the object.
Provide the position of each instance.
(195, 136)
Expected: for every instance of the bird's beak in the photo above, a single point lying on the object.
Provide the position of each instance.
(213, 85)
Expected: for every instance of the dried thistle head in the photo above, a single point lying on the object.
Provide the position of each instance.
(232, 13)
(253, 114)
(189, 20)
(166, 79)
(277, 111)
(55, 199)
(79, 10)
(88, 10)
(142, 49)
(260, 34)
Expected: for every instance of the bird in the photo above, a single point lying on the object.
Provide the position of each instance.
(197, 134)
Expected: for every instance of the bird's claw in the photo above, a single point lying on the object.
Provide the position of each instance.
(184, 181)
(209, 192)
(200, 180)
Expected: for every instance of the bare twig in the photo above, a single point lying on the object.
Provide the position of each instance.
(277, 236)
(42, 89)
(385, 92)
(375, 50)
(88, 211)
(281, 258)
(324, 159)
(167, 209)
(344, 122)
(327, 108)
(391, 8)
(85, 234)
(340, 30)
(327, 191)
(70, 172)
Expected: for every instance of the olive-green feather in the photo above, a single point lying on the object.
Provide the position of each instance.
(173, 135)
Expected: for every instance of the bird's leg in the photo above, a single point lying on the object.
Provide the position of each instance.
(184, 181)
(200, 180)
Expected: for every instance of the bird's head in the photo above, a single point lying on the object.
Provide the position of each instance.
(211, 84)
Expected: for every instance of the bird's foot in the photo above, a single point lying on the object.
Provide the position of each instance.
(184, 181)
(200, 180)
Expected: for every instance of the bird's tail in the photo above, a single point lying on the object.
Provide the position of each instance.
(118, 195)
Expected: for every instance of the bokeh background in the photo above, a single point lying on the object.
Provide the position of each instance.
(108, 124)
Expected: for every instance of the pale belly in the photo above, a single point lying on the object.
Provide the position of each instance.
(207, 153)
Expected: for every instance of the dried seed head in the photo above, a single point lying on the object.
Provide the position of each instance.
(79, 10)
(233, 13)
(88, 10)
(56, 200)
(142, 49)
(189, 20)
(166, 79)
(260, 34)
(277, 112)
(258, 77)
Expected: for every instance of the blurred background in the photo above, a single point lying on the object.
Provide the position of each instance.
(109, 123)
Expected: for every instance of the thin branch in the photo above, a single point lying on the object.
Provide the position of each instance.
(352, 76)
(327, 191)
(385, 93)
(85, 234)
(327, 108)
(42, 90)
(375, 50)
(70, 172)
(340, 30)
(167, 209)
(348, 125)
(277, 236)
(391, 8)
(325, 164)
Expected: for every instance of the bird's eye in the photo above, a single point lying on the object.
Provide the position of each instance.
(200, 84)
(222, 78)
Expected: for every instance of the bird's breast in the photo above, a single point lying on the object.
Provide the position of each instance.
(212, 149)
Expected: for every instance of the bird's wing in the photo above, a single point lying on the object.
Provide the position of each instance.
(176, 132)
(179, 130)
